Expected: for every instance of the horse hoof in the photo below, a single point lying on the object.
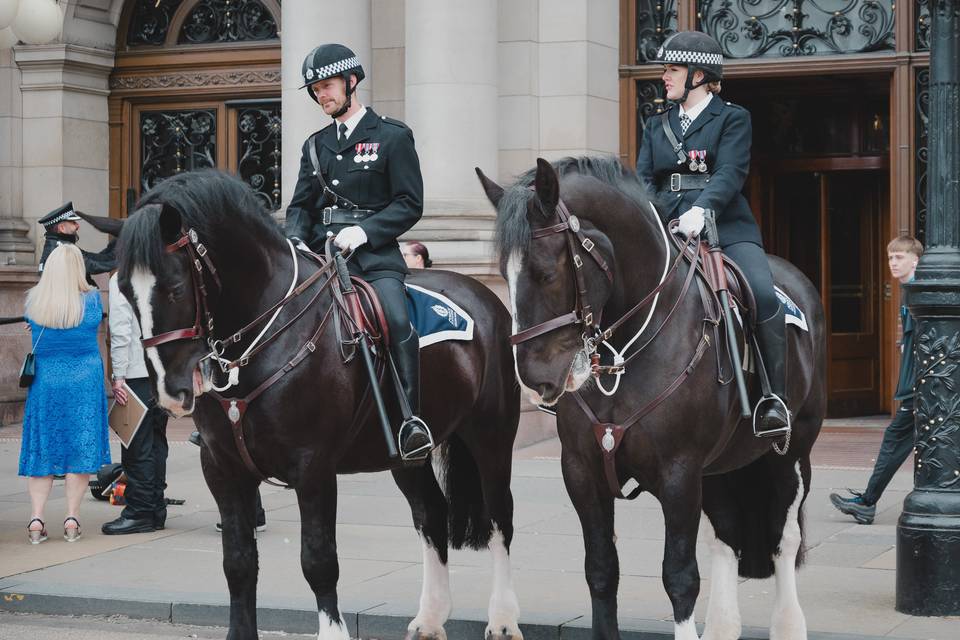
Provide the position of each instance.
(425, 634)
(503, 634)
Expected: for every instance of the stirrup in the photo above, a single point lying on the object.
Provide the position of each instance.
(771, 433)
(420, 453)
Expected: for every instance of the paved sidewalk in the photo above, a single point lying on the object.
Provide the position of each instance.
(846, 588)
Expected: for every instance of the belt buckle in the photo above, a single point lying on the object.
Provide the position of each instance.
(327, 216)
(674, 182)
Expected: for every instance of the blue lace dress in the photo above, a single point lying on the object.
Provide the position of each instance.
(65, 419)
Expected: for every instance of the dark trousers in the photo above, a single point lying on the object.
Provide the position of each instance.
(145, 460)
(393, 299)
(898, 441)
(752, 260)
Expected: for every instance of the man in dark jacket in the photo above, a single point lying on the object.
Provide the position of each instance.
(62, 226)
(360, 181)
(898, 440)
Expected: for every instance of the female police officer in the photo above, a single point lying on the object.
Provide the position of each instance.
(360, 180)
(696, 157)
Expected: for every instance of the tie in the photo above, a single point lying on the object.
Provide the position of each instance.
(684, 123)
(343, 130)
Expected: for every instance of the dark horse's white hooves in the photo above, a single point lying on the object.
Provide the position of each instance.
(417, 634)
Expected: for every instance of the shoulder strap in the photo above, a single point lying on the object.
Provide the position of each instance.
(42, 329)
(672, 138)
(315, 161)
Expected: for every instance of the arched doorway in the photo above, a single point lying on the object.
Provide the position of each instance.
(196, 85)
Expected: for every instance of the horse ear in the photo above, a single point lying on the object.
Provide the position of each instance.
(493, 190)
(171, 224)
(547, 185)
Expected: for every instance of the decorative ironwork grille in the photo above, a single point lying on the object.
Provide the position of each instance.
(258, 154)
(651, 100)
(656, 19)
(922, 110)
(923, 25)
(228, 21)
(150, 21)
(172, 142)
(755, 28)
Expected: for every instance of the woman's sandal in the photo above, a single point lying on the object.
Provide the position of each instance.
(71, 534)
(36, 536)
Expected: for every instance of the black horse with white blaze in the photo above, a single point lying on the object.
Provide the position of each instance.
(583, 235)
(201, 261)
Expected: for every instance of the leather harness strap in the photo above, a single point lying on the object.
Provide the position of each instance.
(609, 436)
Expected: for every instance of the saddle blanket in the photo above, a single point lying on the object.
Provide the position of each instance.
(436, 317)
(794, 314)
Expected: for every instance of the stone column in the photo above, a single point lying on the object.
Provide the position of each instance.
(579, 92)
(15, 246)
(64, 91)
(928, 556)
(307, 24)
(451, 105)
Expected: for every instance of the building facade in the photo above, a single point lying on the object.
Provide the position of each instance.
(133, 91)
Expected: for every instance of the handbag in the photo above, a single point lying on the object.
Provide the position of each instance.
(29, 367)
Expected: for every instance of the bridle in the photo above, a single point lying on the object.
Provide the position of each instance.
(203, 326)
(582, 313)
(203, 320)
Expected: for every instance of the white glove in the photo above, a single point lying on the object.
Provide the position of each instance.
(352, 237)
(691, 222)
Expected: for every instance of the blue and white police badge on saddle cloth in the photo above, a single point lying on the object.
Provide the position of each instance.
(435, 317)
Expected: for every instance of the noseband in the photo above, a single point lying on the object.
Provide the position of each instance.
(203, 320)
(582, 313)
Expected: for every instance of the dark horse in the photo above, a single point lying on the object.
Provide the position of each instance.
(693, 451)
(201, 244)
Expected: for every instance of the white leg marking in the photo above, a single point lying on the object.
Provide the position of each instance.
(723, 612)
(686, 630)
(435, 603)
(504, 611)
(332, 629)
(143, 283)
(514, 265)
(788, 622)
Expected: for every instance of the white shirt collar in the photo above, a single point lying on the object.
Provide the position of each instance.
(697, 110)
(352, 121)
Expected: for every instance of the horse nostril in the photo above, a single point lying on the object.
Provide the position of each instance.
(185, 399)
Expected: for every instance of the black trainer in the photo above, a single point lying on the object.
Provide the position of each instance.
(862, 512)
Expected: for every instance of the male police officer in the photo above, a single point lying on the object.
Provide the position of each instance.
(695, 157)
(360, 180)
(62, 225)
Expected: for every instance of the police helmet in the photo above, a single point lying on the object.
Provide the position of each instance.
(696, 50)
(328, 61)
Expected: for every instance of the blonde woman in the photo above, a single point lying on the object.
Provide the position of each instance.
(65, 419)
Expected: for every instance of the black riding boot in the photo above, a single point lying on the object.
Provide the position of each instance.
(771, 336)
(414, 438)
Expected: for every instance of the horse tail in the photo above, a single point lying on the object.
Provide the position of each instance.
(468, 520)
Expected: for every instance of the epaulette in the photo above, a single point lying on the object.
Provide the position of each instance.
(394, 122)
(735, 106)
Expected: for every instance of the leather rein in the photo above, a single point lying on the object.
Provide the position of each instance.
(203, 329)
(609, 435)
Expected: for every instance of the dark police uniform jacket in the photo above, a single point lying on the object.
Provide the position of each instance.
(723, 130)
(391, 185)
(100, 262)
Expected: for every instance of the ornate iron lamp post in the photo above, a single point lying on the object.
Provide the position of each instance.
(928, 534)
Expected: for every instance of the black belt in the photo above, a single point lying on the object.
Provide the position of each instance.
(685, 181)
(334, 215)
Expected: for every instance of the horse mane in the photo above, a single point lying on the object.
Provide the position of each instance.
(512, 232)
(207, 200)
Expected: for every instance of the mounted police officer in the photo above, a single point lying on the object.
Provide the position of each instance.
(360, 180)
(695, 157)
(62, 226)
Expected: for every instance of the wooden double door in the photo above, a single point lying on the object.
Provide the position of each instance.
(827, 217)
